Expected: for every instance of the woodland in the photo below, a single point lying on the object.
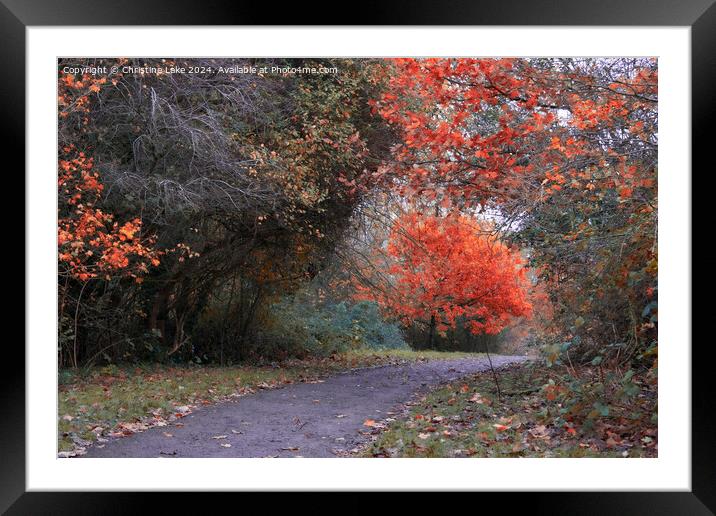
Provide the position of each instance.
(219, 220)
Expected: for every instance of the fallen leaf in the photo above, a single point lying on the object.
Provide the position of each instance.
(369, 422)
(540, 432)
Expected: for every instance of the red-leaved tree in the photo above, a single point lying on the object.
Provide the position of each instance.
(565, 150)
(441, 269)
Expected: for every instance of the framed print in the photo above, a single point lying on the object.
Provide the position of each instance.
(344, 257)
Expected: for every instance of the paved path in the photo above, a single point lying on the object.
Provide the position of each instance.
(307, 419)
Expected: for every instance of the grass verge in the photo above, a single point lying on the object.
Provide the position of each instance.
(468, 419)
(115, 401)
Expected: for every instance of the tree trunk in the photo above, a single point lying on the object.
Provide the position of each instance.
(249, 318)
(494, 373)
(75, 362)
(431, 332)
(157, 317)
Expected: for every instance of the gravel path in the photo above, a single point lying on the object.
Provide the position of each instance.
(308, 419)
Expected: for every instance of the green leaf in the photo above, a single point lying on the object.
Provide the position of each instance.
(601, 408)
(631, 389)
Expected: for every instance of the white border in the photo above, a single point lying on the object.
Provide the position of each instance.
(671, 471)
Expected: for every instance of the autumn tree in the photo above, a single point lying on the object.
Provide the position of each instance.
(563, 152)
(440, 270)
(250, 179)
(92, 244)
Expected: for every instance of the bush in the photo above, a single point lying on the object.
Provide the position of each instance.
(373, 331)
(298, 328)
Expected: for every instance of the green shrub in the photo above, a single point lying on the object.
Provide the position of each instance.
(299, 327)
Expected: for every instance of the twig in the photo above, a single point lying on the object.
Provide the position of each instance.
(494, 374)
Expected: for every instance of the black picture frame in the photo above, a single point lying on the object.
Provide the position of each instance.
(700, 15)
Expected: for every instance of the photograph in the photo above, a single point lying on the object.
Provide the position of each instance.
(357, 257)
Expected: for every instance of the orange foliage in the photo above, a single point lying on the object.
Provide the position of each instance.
(446, 268)
(540, 123)
(90, 242)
